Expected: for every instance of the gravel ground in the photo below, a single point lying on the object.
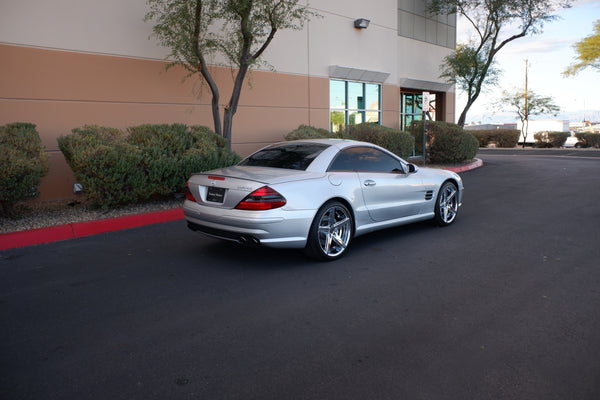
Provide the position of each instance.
(40, 214)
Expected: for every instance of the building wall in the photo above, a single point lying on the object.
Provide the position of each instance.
(68, 63)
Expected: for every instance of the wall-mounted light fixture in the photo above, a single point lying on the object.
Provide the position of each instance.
(361, 23)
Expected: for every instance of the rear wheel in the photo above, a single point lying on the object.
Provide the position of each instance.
(331, 232)
(446, 205)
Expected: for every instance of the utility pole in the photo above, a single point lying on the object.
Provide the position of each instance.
(525, 113)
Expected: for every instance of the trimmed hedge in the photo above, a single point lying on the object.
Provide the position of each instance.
(504, 138)
(310, 132)
(148, 161)
(447, 143)
(589, 139)
(550, 139)
(394, 140)
(24, 163)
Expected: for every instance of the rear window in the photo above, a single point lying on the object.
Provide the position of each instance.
(287, 155)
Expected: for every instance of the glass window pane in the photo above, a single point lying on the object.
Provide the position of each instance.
(418, 104)
(408, 104)
(372, 116)
(365, 159)
(288, 155)
(356, 100)
(338, 123)
(406, 23)
(372, 96)
(337, 94)
(420, 31)
(355, 117)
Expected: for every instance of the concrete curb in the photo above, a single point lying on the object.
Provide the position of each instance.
(80, 229)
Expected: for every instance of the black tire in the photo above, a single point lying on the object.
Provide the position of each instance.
(330, 232)
(446, 204)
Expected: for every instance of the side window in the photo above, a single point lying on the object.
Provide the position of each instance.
(365, 159)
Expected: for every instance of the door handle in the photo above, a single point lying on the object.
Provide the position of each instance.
(369, 182)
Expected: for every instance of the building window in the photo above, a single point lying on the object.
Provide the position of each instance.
(411, 108)
(415, 23)
(352, 103)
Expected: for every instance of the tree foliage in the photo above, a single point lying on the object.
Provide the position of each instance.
(464, 66)
(495, 23)
(198, 31)
(536, 105)
(588, 52)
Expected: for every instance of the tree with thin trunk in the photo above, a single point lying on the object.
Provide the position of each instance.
(535, 105)
(198, 32)
(496, 23)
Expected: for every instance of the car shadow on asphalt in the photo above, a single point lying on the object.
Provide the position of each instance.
(229, 254)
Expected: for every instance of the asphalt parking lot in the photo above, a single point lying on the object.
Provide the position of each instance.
(504, 304)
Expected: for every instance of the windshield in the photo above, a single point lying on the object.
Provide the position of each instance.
(287, 155)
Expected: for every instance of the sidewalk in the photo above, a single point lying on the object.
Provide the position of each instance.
(81, 229)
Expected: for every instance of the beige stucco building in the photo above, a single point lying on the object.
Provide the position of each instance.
(67, 63)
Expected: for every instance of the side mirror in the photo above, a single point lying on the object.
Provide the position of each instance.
(412, 168)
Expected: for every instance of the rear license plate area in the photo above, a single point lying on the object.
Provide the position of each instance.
(215, 194)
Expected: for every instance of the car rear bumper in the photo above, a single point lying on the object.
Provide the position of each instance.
(272, 228)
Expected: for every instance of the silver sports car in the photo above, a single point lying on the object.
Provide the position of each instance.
(317, 195)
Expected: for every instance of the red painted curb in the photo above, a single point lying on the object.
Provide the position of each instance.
(35, 236)
(475, 164)
(80, 229)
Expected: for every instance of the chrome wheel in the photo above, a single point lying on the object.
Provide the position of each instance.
(447, 204)
(331, 232)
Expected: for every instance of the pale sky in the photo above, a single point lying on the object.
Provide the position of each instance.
(548, 55)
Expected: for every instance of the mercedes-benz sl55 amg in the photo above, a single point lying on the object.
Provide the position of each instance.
(318, 195)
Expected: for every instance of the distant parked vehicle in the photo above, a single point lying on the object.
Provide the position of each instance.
(572, 141)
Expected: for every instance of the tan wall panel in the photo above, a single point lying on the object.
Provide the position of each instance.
(390, 98)
(268, 89)
(56, 118)
(30, 73)
(319, 93)
(58, 184)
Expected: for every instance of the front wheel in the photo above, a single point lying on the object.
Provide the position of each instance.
(446, 205)
(331, 232)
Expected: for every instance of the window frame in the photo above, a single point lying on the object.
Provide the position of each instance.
(417, 105)
(363, 111)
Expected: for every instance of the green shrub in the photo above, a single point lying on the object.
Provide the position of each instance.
(149, 161)
(589, 139)
(309, 132)
(506, 138)
(483, 136)
(23, 162)
(394, 140)
(550, 139)
(447, 143)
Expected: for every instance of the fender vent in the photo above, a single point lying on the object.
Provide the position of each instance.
(429, 195)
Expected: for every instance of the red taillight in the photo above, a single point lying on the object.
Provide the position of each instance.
(263, 198)
(188, 194)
